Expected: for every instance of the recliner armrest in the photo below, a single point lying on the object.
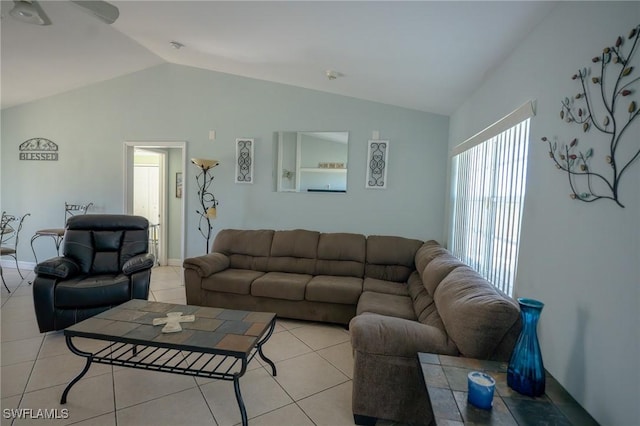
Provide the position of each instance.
(138, 263)
(58, 267)
(208, 264)
(390, 336)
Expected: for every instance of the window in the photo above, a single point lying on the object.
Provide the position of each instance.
(488, 177)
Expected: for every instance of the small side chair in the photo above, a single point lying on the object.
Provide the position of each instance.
(10, 227)
(58, 233)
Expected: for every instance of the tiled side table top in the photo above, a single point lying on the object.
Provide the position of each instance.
(446, 380)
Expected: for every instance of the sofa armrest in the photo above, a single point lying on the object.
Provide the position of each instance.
(138, 263)
(208, 264)
(58, 267)
(389, 336)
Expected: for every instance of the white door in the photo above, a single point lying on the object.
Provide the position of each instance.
(148, 195)
(164, 205)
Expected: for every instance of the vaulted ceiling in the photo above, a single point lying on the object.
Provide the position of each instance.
(424, 55)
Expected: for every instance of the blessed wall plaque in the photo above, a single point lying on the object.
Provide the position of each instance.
(38, 149)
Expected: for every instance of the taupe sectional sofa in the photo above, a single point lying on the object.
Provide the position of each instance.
(446, 308)
(399, 296)
(297, 274)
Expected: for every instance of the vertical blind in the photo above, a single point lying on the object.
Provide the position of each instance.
(487, 199)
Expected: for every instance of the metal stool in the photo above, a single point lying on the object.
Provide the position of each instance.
(8, 233)
(58, 233)
(153, 240)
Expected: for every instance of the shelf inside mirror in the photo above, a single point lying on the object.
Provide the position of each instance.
(322, 169)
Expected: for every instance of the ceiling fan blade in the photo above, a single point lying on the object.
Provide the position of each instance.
(102, 10)
(29, 12)
(43, 16)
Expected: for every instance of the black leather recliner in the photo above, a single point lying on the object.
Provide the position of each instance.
(105, 262)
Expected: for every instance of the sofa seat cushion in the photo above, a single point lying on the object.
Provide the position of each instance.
(92, 291)
(331, 289)
(386, 304)
(476, 315)
(281, 285)
(386, 287)
(237, 281)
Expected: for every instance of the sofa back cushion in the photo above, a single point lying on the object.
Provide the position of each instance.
(391, 258)
(427, 252)
(294, 251)
(341, 254)
(437, 270)
(103, 243)
(246, 249)
(475, 314)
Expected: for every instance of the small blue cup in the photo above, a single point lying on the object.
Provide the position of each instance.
(481, 388)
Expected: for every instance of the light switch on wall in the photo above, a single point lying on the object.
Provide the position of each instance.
(212, 135)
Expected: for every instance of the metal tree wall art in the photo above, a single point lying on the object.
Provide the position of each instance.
(208, 202)
(604, 103)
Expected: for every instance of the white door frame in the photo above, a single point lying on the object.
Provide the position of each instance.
(129, 147)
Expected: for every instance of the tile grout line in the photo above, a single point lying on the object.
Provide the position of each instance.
(206, 401)
(294, 401)
(33, 366)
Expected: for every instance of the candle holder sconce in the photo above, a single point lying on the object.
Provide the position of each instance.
(208, 202)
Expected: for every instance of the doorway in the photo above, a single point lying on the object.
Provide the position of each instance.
(149, 177)
(153, 189)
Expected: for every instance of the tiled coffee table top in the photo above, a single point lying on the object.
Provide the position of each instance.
(215, 330)
(446, 381)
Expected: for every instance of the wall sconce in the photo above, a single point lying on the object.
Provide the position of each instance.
(208, 201)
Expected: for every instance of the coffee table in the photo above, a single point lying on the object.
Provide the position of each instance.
(219, 344)
(446, 380)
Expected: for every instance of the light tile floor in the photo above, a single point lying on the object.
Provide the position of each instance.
(313, 385)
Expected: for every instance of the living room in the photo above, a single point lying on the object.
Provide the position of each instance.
(580, 259)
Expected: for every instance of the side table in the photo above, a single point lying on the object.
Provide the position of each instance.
(445, 378)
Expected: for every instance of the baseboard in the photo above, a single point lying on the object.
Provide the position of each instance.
(11, 264)
(174, 262)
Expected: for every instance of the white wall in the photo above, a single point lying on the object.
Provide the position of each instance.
(172, 102)
(582, 260)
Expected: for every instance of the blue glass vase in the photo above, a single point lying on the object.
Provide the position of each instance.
(526, 371)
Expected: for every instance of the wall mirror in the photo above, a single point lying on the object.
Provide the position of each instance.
(311, 161)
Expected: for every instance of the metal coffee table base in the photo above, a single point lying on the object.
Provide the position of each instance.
(171, 360)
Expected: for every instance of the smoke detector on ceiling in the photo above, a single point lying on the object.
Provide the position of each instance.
(332, 75)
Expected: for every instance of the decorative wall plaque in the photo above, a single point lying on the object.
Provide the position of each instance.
(244, 160)
(377, 158)
(38, 149)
